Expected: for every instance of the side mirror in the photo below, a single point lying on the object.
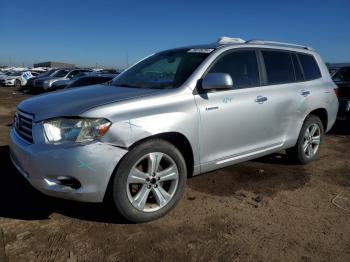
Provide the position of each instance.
(217, 81)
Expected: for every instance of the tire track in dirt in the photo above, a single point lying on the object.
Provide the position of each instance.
(54, 247)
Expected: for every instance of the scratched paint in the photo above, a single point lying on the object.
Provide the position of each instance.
(227, 99)
(85, 165)
(131, 125)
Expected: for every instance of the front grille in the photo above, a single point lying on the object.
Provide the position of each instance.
(23, 125)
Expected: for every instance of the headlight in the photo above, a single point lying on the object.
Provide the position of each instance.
(74, 130)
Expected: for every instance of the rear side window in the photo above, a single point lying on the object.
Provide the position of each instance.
(310, 67)
(242, 66)
(279, 67)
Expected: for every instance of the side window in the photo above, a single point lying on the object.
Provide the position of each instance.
(242, 66)
(279, 67)
(310, 67)
(298, 73)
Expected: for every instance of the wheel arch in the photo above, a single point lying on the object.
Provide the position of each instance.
(177, 139)
(322, 114)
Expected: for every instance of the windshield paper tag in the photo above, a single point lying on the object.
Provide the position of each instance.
(201, 50)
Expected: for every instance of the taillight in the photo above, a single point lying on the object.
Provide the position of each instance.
(336, 91)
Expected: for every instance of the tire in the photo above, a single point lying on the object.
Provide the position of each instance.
(169, 176)
(18, 84)
(307, 148)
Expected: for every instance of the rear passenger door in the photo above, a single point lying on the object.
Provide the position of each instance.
(285, 89)
(240, 121)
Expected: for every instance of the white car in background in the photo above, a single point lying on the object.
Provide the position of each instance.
(16, 79)
(4, 74)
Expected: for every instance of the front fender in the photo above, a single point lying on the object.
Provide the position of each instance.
(126, 132)
(133, 120)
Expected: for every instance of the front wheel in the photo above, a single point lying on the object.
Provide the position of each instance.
(310, 138)
(18, 84)
(149, 181)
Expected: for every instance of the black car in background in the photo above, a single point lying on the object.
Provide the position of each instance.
(341, 76)
(88, 80)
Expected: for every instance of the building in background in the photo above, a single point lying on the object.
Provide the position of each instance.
(54, 64)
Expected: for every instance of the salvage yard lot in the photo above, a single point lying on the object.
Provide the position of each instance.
(262, 210)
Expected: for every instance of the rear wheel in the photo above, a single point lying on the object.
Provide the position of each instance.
(149, 181)
(310, 138)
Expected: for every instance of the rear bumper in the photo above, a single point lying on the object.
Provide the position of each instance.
(41, 164)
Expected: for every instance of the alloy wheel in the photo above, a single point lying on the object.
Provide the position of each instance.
(312, 140)
(152, 182)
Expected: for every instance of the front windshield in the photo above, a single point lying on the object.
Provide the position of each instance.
(61, 73)
(164, 70)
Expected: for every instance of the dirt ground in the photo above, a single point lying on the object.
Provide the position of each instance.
(262, 210)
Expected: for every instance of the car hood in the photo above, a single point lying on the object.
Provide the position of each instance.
(75, 101)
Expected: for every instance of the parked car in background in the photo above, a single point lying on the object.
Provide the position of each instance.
(177, 113)
(341, 77)
(88, 80)
(84, 79)
(4, 74)
(60, 84)
(108, 71)
(45, 83)
(16, 79)
(30, 83)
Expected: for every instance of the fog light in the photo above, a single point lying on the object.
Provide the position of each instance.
(69, 181)
(63, 181)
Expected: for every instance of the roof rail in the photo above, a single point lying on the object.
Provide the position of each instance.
(262, 42)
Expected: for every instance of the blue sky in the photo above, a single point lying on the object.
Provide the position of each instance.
(111, 32)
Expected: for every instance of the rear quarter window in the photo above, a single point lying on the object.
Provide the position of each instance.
(310, 67)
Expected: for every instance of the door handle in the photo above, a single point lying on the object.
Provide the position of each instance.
(305, 93)
(260, 99)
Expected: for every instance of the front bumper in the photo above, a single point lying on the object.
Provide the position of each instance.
(91, 164)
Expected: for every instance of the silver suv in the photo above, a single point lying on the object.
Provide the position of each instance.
(175, 114)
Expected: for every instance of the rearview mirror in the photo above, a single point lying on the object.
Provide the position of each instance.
(217, 81)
